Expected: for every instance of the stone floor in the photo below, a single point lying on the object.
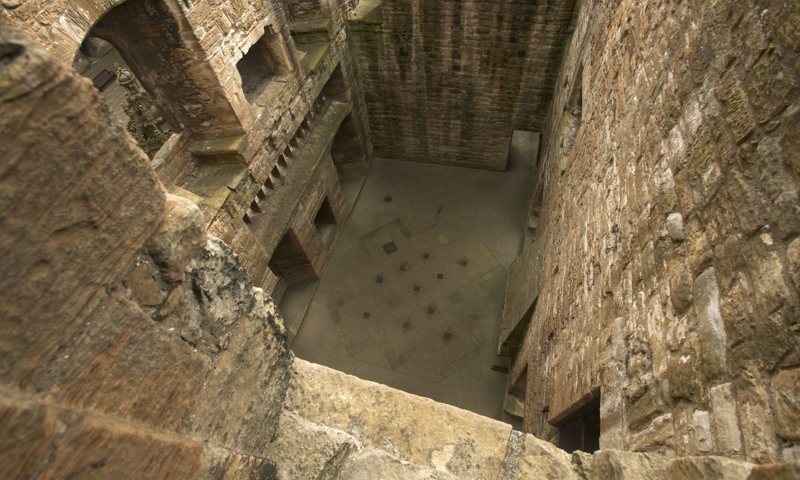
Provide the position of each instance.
(413, 293)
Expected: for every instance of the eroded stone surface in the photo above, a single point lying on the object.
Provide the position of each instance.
(708, 468)
(412, 428)
(618, 465)
(371, 463)
(786, 399)
(303, 449)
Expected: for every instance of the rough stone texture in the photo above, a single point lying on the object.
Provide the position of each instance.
(186, 55)
(708, 468)
(670, 232)
(531, 458)
(776, 471)
(447, 81)
(240, 402)
(94, 449)
(618, 465)
(411, 428)
(180, 237)
(305, 450)
(59, 249)
(28, 430)
(369, 463)
(667, 188)
(96, 376)
(786, 399)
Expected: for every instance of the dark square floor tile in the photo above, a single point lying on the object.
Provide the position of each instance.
(390, 248)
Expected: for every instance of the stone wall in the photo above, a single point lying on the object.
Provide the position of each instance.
(126, 334)
(671, 220)
(448, 81)
(186, 54)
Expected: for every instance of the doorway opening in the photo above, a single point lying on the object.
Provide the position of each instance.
(581, 429)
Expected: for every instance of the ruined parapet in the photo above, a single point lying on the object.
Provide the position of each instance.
(133, 346)
(337, 426)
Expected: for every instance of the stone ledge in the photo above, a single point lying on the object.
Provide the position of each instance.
(412, 428)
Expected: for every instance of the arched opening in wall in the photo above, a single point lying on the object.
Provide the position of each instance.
(290, 261)
(325, 221)
(336, 88)
(266, 59)
(347, 149)
(130, 103)
(581, 429)
(160, 48)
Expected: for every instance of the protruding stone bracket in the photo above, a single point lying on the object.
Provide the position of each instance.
(226, 150)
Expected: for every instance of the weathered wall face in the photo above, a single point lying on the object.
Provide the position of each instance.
(186, 54)
(447, 81)
(126, 334)
(670, 281)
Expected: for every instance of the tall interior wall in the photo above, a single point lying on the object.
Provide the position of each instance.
(670, 223)
(448, 81)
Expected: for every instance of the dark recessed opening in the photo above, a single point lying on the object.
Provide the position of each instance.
(325, 221)
(581, 430)
(254, 72)
(290, 261)
(265, 58)
(336, 88)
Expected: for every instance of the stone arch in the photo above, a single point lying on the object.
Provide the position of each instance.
(158, 44)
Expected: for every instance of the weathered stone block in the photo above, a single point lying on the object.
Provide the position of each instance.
(366, 464)
(95, 449)
(704, 440)
(143, 285)
(303, 449)
(682, 376)
(786, 400)
(786, 471)
(725, 419)
(28, 431)
(769, 75)
(710, 329)
(415, 429)
(119, 360)
(530, 457)
(240, 401)
(657, 436)
(646, 407)
(708, 468)
(179, 238)
(63, 249)
(223, 464)
(619, 465)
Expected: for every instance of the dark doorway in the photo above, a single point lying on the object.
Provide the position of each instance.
(290, 262)
(581, 430)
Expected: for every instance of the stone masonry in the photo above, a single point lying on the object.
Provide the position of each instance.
(670, 222)
(139, 337)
